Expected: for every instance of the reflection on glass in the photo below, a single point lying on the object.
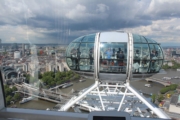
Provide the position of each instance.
(113, 57)
(89, 38)
(140, 66)
(141, 51)
(155, 65)
(150, 40)
(81, 53)
(72, 49)
(139, 39)
(147, 58)
(86, 65)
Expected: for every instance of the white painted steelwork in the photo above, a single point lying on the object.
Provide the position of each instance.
(119, 97)
(105, 96)
(73, 101)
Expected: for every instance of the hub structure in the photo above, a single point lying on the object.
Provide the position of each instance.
(114, 59)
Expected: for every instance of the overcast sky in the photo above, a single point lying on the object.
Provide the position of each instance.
(61, 21)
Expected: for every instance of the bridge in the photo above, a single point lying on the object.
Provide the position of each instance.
(163, 82)
(57, 97)
(58, 86)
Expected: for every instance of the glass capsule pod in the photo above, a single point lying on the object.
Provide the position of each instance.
(113, 56)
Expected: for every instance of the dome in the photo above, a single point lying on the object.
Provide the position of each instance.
(114, 55)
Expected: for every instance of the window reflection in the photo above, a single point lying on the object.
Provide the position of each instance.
(138, 39)
(155, 65)
(113, 57)
(147, 58)
(80, 53)
(71, 51)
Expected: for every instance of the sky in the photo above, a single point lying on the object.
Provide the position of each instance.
(61, 21)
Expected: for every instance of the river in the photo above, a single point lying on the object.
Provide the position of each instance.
(139, 85)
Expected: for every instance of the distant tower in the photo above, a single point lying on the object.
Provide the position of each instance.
(23, 49)
(26, 47)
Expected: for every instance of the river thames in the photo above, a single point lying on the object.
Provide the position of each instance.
(139, 85)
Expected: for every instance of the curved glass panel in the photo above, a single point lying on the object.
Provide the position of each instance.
(72, 50)
(148, 57)
(150, 40)
(141, 58)
(138, 39)
(70, 62)
(85, 49)
(113, 57)
(86, 64)
(89, 38)
(155, 65)
(80, 55)
(141, 66)
(87, 56)
(159, 52)
(78, 39)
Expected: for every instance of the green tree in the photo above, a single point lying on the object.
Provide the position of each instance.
(153, 97)
(14, 88)
(17, 96)
(8, 91)
(8, 99)
(40, 76)
(160, 98)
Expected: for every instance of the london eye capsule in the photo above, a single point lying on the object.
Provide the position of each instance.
(115, 56)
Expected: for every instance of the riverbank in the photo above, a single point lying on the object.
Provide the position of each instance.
(138, 85)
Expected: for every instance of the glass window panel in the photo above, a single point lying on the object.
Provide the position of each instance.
(155, 65)
(113, 57)
(78, 39)
(141, 52)
(138, 39)
(150, 40)
(71, 50)
(86, 50)
(152, 51)
(71, 62)
(86, 64)
(89, 38)
(141, 66)
(113, 65)
(158, 52)
(143, 40)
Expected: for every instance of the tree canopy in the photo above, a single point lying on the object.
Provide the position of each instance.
(51, 79)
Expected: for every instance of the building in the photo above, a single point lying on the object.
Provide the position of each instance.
(175, 53)
(174, 106)
(55, 66)
(23, 49)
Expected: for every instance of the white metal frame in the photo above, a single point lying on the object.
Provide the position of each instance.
(120, 96)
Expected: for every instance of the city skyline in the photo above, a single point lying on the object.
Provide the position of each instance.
(62, 21)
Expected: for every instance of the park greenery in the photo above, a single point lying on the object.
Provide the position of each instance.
(170, 90)
(10, 94)
(51, 79)
(159, 97)
(175, 65)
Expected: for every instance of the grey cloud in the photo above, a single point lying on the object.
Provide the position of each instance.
(53, 17)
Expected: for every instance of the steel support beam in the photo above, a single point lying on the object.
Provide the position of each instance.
(71, 103)
(156, 110)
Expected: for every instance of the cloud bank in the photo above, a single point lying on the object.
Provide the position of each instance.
(61, 21)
